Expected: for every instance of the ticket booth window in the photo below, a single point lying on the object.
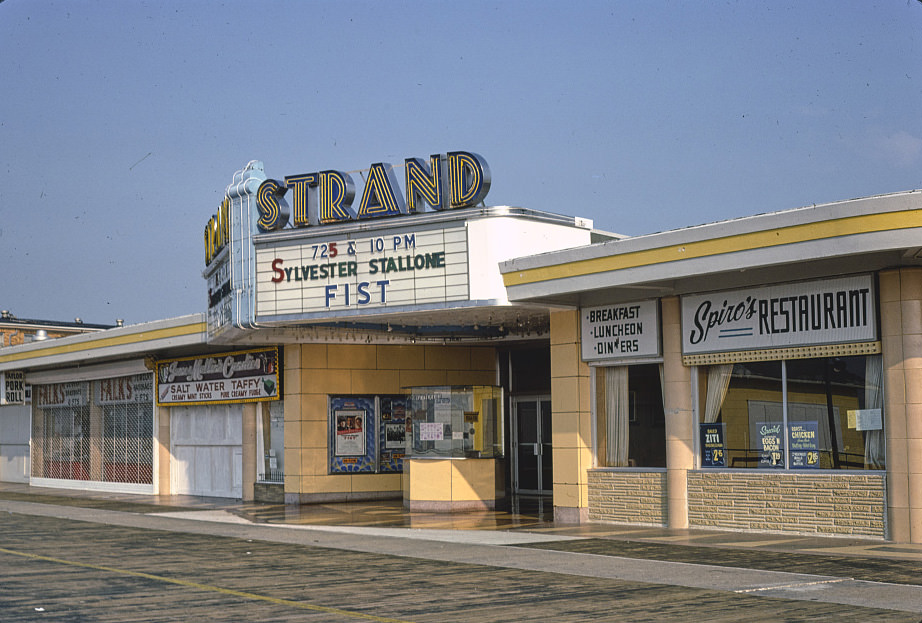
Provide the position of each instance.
(456, 422)
(819, 413)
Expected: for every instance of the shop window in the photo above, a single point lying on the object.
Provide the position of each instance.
(270, 439)
(101, 430)
(65, 443)
(630, 425)
(821, 413)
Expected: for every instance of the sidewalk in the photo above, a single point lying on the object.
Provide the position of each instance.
(533, 517)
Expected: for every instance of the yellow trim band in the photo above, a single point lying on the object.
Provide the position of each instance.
(806, 232)
(121, 340)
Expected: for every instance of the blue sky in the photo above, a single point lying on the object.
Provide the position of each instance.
(121, 123)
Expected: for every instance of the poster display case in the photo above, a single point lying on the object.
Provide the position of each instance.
(367, 434)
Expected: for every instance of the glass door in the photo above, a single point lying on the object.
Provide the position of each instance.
(532, 467)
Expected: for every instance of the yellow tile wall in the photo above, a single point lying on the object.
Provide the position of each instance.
(313, 372)
(571, 423)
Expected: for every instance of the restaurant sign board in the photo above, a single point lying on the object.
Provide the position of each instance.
(620, 330)
(828, 311)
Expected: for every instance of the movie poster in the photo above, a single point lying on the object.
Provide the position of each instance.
(350, 432)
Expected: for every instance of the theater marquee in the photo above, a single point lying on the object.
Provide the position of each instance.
(363, 272)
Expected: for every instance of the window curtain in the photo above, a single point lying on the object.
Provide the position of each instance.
(617, 405)
(874, 457)
(662, 384)
(718, 383)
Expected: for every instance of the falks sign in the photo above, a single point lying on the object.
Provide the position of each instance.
(458, 179)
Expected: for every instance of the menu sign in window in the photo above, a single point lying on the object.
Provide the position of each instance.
(803, 445)
(620, 330)
(713, 445)
(771, 445)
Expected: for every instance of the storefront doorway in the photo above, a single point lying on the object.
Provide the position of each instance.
(207, 450)
(531, 445)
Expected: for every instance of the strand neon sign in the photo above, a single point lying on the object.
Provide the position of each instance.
(458, 179)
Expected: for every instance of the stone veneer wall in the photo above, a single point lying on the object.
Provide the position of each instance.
(852, 504)
(628, 496)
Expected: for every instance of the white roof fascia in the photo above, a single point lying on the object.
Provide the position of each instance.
(119, 342)
(880, 204)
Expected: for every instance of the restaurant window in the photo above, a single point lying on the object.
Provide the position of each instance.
(630, 424)
(823, 413)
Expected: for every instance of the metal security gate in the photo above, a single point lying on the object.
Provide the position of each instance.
(128, 447)
(207, 450)
(99, 431)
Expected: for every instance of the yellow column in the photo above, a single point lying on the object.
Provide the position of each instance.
(248, 450)
(292, 409)
(162, 445)
(901, 337)
(680, 421)
(571, 423)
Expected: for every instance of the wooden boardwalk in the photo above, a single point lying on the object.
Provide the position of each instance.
(56, 568)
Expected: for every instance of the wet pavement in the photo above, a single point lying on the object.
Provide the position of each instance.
(717, 572)
(533, 515)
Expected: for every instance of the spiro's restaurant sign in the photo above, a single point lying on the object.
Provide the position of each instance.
(249, 376)
(831, 311)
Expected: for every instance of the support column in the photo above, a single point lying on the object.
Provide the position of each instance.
(292, 409)
(680, 417)
(571, 423)
(162, 449)
(248, 450)
(901, 337)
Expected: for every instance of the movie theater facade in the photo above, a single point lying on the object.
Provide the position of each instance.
(406, 371)
(356, 345)
(758, 374)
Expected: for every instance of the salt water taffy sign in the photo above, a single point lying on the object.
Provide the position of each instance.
(248, 376)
